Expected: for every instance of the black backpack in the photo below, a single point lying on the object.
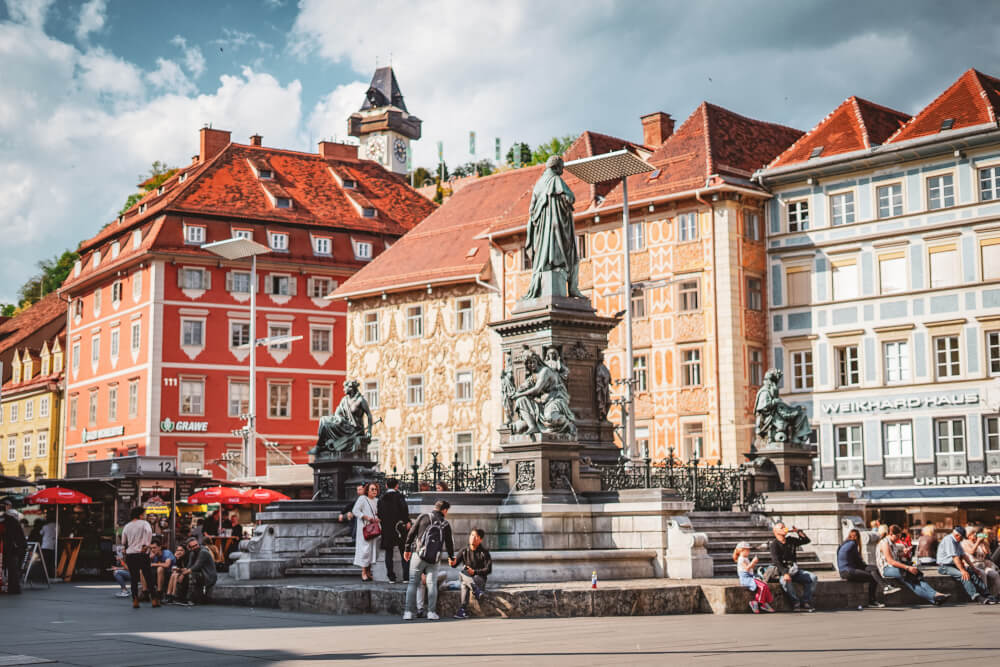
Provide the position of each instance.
(432, 542)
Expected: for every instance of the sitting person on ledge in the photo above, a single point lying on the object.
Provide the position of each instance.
(852, 567)
(888, 556)
(953, 561)
(783, 558)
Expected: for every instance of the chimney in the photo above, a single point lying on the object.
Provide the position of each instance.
(656, 127)
(255, 139)
(331, 150)
(212, 143)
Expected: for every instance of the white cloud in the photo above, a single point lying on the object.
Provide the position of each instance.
(103, 72)
(170, 78)
(92, 17)
(29, 12)
(194, 60)
(328, 119)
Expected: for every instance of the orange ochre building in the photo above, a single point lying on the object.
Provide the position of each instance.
(156, 323)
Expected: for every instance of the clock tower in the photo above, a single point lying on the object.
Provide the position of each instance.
(383, 125)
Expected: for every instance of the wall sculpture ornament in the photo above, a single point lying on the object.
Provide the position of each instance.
(542, 400)
(525, 473)
(559, 473)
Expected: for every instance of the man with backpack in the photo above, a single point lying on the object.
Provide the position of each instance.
(430, 536)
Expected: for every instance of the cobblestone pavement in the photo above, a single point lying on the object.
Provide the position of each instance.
(84, 624)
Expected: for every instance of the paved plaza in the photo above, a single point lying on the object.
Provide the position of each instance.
(84, 624)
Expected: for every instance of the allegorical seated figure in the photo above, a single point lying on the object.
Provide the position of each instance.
(345, 430)
(542, 401)
(778, 421)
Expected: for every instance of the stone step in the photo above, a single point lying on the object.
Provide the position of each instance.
(322, 561)
(730, 516)
(323, 571)
(336, 551)
(729, 569)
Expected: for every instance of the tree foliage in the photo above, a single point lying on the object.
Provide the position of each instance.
(483, 167)
(53, 272)
(525, 153)
(554, 146)
(159, 172)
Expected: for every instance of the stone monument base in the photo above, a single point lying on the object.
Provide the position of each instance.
(333, 478)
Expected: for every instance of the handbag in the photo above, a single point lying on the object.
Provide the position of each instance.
(372, 529)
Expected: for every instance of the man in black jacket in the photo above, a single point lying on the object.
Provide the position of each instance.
(476, 564)
(783, 558)
(200, 573)
(430, 532)
(395, 516)
(14, 546)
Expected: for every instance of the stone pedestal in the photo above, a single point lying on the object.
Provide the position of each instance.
(546, 471)
(793, 463)
(333, 479)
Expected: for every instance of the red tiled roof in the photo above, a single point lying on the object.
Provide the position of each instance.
(856, 124)
(38, 380)
(16, 330)
(974, 99)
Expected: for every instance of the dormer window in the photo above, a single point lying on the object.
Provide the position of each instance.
(115, 249)
(142, 208)
(350, 184)
(160, 190)
(322, 245)
(278, 241)
(136, 239)
(282, 202)
(245, 234)
(182, 178)
(816, 152)
(265, 174)
(362, 249)
(947, 124)
(368, 212)
(194, 234)
(77, 266)
(97, 258)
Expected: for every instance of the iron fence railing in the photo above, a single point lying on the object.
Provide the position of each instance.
(438, 476)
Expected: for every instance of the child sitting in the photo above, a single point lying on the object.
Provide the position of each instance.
(745, 570)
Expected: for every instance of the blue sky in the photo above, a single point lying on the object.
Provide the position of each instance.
(93, 91)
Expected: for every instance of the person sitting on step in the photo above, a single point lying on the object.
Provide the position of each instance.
(852, 567)
(745, 571)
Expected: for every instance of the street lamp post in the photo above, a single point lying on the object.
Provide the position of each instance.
(598, 169)
(233, 249)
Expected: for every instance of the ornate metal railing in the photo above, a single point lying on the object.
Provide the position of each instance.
(710, 487)
(438, 476)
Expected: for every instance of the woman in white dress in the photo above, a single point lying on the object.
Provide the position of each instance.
(366, 510)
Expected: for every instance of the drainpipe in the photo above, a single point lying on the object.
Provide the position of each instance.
(715, 319)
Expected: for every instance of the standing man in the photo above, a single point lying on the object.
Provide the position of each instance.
(783, 548)
(137, 536)
(14, 546)
(395, 516)
(432, 536)
(476, 564)
(200, 573)
(953, 561)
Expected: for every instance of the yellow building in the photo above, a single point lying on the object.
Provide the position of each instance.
(31, 412)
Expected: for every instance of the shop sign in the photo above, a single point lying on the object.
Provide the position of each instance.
(827, 484)
(168, 425)
(957, 480)
(109, 432)
(911, 403)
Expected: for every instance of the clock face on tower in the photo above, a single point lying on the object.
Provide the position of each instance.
(375, 149)
(399, 150)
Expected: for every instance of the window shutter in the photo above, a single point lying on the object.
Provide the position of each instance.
(180, 277)
(229, 281)
(208, 279)
(292, 282)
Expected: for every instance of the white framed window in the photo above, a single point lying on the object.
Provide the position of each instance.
(95, 349)
(848, 449)
(993, 352)
(321, 339)
(415, 390)
(689, 293)
(92, 409)
(892, 272)
(192, 393)
(78, 308)
(949, 445)
(43, 444)
(136, 286)
(192, 333)
(637, 235)
(133, 399)
(115, 342)
(897, 361)
(239, 334)
(320, 287)
(991, 442)
(371, 393)
(322, 245)
(73, 407)
(463, 386)
(751, 226)
(238, 282)
(279, 400)
(246, 234)
(321, 400)
(116, 292)
(280, 285)
(848, 366)
(190, 459)
(693, 440)
(898, 451)
(112, 402)
(194, 234)
(11, 448)
(989, 183)
(275, 330)
(43, 408)
(463, 448)
(890, 200)
(947, 357)
(26, 440)
(193, 278)
(639, 373)
(362, 249)
(414, 450)
(639, 303)
(97, 301)
(944, 265)
(371, 327)
(278, 241)
(845, 280)
(940, 191)
(691, 367)
(802, 370)
(989, 254)
(842, 208)
(29, 409)
(239, 398)
(756, 357)
(798, 215)
(755, 293)
(464, 320)
(136, 335)
(798, 280)
(687, 227)
(136, 239)
(415, 322)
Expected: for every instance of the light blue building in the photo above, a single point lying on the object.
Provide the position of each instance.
(884, 277)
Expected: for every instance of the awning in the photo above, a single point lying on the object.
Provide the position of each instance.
(933, 494)
(14, 482)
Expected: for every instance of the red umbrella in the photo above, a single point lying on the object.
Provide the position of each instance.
(218, 494)
(264, 496)
(57, 495)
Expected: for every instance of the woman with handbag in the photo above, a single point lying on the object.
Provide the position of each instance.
(368, 531)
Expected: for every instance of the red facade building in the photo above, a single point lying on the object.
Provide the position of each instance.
(155, 322)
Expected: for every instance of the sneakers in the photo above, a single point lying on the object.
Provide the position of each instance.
(754, 606)
(875, 604)
(407, 615)
(807, 606)
(768, 608)
(889, 590)
(797, 606)
(432, 616)
(461, 613)
(985, 599)
(123, 594)
(941, 598)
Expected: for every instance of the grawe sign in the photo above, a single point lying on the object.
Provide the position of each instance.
(907, 403)
(168, 425)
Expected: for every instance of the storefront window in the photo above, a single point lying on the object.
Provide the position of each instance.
(949, 445)
(898, 449)
(848, 447)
